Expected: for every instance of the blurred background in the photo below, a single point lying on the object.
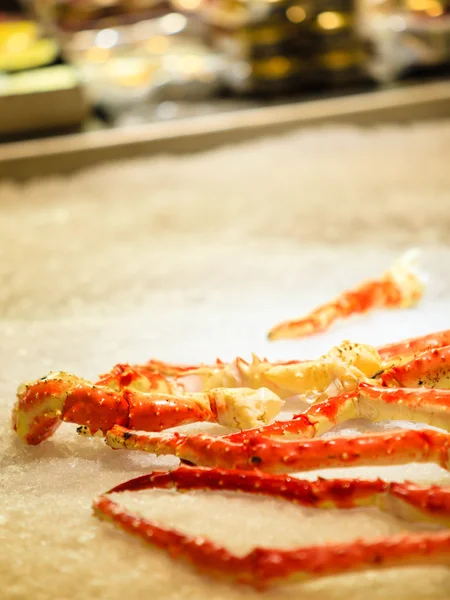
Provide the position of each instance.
(86, 65)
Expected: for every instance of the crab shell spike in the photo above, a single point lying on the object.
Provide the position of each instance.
(238, 373)
(252, 374)
(266, 566)
(399, 287)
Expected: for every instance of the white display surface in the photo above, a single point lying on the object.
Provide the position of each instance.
(150, 260)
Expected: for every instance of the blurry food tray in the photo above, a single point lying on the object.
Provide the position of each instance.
(41, 99)
(404, 102)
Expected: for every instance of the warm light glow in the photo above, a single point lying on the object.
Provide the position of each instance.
(434, 9)
(296, 14)
(130, 73)
(419, 5)
(431, 7)
(106, 38)
(330, 20)
(157, 44)
(278, 66)
(192, 64)
(173, 23)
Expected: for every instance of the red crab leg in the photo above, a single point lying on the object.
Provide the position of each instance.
(367, 402)
(393, 447)
(412, 346)
(266, 566)
(389, 291)
(281, 456)
(42, 406)
(430, 369)
(374, 403)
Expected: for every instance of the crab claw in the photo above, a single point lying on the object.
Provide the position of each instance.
(42, 405)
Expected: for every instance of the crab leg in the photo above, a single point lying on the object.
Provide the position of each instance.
(366, 402)
(399, 447)
(430, 369)
(237, 373)
(42, 406)
(407, 349)
(266, 566)
(399, 287)
(200, 449)
(140, 398)
(285, 456)
(341, 369)
(375, 403)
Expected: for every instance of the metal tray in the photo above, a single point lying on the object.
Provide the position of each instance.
(67, 153)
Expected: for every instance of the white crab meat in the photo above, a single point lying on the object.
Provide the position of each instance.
(339, 370)
(243, 408)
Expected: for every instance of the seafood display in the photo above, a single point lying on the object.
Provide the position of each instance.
(134, 406)
(238, 395)
(399, 287)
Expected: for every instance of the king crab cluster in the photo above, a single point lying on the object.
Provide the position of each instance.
(135, 408)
